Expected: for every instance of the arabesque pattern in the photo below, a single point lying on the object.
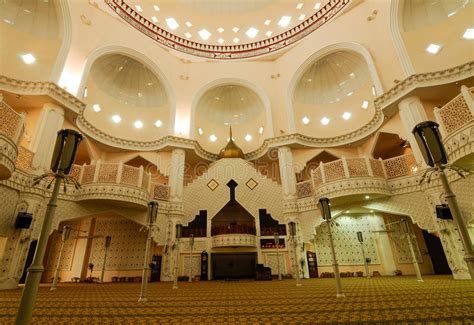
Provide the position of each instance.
(24, 159)
(357, 167)
(455, 114)
(334, 170)
(108, 173)
(130, 175)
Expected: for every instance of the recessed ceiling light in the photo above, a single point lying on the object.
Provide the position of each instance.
(28, 58)
(347, 211)
(138, 124)
(269, 33)
(433, 48)
(284, 21)
(468, 34)
(236, 40)
(305, 120)
(158, 123)
(365, 104)
(367, 197)
(260, 130)
(452, 13)
(371, 211)
(350, 93)
(139, 8)
(251, 32)
(346, 115)
(235, 29)
(156, 8)
(220, 30)
(200, 131)
(96, 108)
(8, 21)
(85, 92)
(299, 5)
(213, 138)
(267, 22)
(325, 120)
(220, 40)
(155, 20)
(172, 23)
(188, 23)
(301, 17)
(188, 35)
(116, 118)
(317, 5)
(373, 90)
(204, 34)
(248, 137)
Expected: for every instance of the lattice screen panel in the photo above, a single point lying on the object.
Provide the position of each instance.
(347, 246)
(400, 242)
(196, 264)
(69, 247)
(8, 202)
(272, 262)
(127, 249)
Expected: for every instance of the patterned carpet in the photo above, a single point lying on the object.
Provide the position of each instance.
(391, 300)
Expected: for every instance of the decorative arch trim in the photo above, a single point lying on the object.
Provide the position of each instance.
(396, 10)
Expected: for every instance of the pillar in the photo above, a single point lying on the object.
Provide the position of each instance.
(50, 122)
(412, 112)
(176, 177)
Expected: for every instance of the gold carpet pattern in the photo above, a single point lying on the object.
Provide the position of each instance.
(388, 300)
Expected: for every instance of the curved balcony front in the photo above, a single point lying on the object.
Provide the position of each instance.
(234, 240)
(11, 129)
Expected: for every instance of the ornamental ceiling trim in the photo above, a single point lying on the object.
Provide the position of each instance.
(227, 52)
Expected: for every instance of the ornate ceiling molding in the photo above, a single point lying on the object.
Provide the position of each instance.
(227, 52)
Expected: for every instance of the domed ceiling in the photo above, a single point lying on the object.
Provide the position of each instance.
(332, 78)
(227, 29)
(35, 17)
(128, 81)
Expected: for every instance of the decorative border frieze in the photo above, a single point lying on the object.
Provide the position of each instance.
(353, 186)
(113, 192)
(234, 240)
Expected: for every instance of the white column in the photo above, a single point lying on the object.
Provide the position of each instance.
(287, 172)
(382, 241)
(176, 175)
(411, 113)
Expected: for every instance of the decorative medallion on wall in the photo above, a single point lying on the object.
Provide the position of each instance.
(212, 184)
(251, 184)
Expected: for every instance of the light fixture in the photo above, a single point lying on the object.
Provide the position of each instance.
(350, 93)
(116, 118)
(347, 211)
(325, 120)
(267, 22)
(154, 19)
(346, 115)
(204, 34)
(139, 8)
(371, 211)
(452, 13)
(158, 123)
(301, 17)
(96, 108)
(220, 40)
(468, 34)
(317, 5)
(213, 138)
(235, 29)
(28, 58)
(433, 48)
(188, 35)
(8, 21)
(220, 30)
(251, 32)
(367, 197)
(299, 5)
(200, 131)
(85, 93)
(138, 124)
(248, 137)
(284, 21)
(430, 143)
(260, 130)
(188, 23)
(365, 104)
(156, 8)
(172, 23)
(269, 33)
(373, 90)
(305, 120)
(236, 40)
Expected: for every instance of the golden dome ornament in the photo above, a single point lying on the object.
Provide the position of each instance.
(231, 150)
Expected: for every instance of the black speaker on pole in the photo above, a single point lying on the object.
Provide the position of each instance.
(443, 212)
(23, 220)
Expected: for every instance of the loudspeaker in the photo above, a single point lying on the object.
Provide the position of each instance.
(443, 212)
(23, 220)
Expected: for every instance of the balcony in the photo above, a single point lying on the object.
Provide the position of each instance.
(234, 240)
(11, 130)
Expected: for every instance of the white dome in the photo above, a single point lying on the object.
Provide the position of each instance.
(128, 81)
(230, 104)
(35, 17)
(332, 78)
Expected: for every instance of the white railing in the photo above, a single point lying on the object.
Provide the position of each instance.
(12, 124)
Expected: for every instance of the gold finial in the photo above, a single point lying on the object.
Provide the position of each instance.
(231, 150)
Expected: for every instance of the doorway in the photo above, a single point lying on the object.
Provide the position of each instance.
(29, 260)
(233, 265)
(438, 258)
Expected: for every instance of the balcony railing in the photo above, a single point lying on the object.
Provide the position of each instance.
(345, 168)
(11, 123)
(456, 113)
(233, 229)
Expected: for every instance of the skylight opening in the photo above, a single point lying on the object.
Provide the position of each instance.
(433, 48)
(267, 22)
(325, 121)
(235, 29)
(220, 40)
(139, 8)
(188, 24)
(299, 5)
(284, 21)
(365, 104)
(301, 17)
(156, 7)
(220, 30)
(305, 120)
(116, 118)
(172, 23)
(346, 115)
(28, 58)
(252, 32)
(236, 40)
(468, 34)
(158, 123)
(154, 19)
(96, 108)
(248, 137)
(317, 6)
(260, 130)
(269, 33)
(204, 34)
(200, 131)
(138, 124)
(213, 138)
(188, 35)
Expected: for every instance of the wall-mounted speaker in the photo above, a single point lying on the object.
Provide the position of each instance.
(443, 212)
(23, 220)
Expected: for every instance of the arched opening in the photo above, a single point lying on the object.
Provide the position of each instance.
(388, 145)
(322, 157)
